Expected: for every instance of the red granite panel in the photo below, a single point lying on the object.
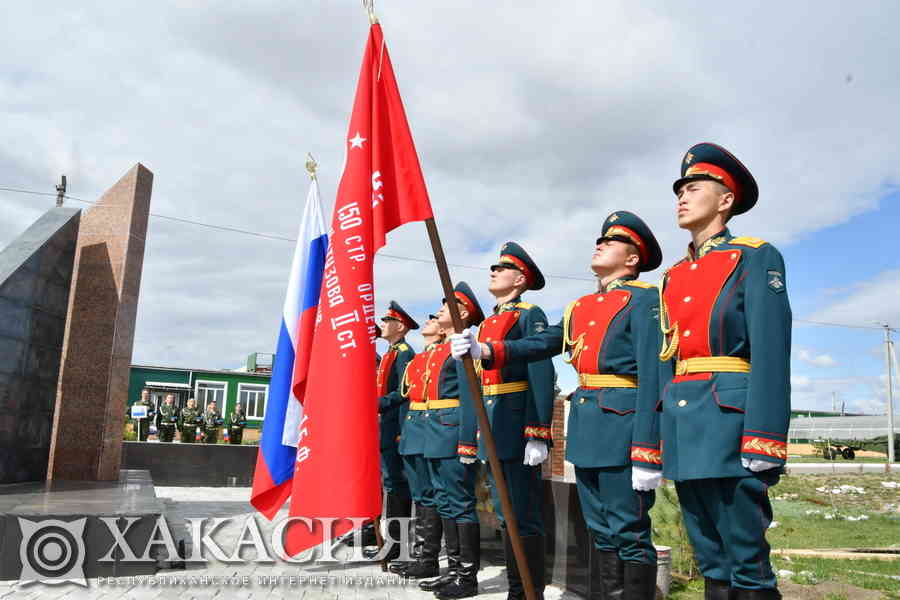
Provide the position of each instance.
(93, 381)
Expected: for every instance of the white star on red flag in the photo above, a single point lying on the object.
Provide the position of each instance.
(356, 141)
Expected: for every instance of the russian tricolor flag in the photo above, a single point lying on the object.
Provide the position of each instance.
(284, 410)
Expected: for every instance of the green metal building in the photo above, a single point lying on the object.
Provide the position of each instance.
(250, 385)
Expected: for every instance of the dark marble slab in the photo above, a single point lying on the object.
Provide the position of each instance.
(51, 508)
(192, 464)
(35, 275)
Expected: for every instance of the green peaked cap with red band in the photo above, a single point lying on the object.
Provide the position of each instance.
(395, 311)
(623, 224)
(707, 161)
(513, 256)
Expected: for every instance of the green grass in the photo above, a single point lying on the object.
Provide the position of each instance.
(819, 459)
(867, 574)
(793, 499)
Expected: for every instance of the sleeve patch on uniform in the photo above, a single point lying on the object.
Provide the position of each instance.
(776, 281)
(539, 326)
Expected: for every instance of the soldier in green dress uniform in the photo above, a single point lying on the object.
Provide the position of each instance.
(725, 415)
(396, 323)
(212, 420)
(142, 426)
(518, 397)
(450, 449)
(167, 419)
(237, 420)
(413, 433)
(612, 339)
(190, 420)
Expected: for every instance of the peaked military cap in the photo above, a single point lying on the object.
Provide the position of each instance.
(631, 228)
(715, 163)
(394, 311)
(464, 294)
(513, 256)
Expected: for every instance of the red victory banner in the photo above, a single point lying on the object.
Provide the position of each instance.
(337, 473)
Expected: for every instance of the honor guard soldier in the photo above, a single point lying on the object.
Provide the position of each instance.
(518, 397)
(450, 449)
(725, 415)
(190, 420)
(391, 410)
(142, 426)
(237, 420)
(212, 420)
(413, 433)
(167, 419)
(612, 339)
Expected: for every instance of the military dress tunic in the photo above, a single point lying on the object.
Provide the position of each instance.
(613, 342)
(728, 320)
(212, 420)
(414, 431)
(190, 419)
(167, 420)
(236, 423)
(447, 427)
(518, 398)
(391, 410)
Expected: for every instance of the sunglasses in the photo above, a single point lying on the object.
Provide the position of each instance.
(614, 238)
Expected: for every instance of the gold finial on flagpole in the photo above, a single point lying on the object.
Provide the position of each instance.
(370, 9)
(311, 165)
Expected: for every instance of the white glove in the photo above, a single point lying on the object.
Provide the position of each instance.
(644, 480)
(467, 460)
(464, 343)
(535, 453)
(757, 464)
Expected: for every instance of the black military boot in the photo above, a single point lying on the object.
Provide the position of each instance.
(399, 567)
(395, 506)
(765, 594)
(465, 584)
(426, 564)
(367, 536)
(717, 589)
(534, 554)
(640, 581)
(612, 575)
(594, 579)
(451, 542)
(513, 577)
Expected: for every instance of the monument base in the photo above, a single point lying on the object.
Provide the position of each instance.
(57, 527)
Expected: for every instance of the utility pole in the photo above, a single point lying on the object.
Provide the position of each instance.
(834, 402)
(61, 191)
(890, 394)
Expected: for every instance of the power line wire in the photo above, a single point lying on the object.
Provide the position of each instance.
(382, 254)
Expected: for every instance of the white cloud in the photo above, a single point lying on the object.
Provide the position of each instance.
(811, 358)
(871, 302)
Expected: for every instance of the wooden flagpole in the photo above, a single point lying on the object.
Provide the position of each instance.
(512, 526)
